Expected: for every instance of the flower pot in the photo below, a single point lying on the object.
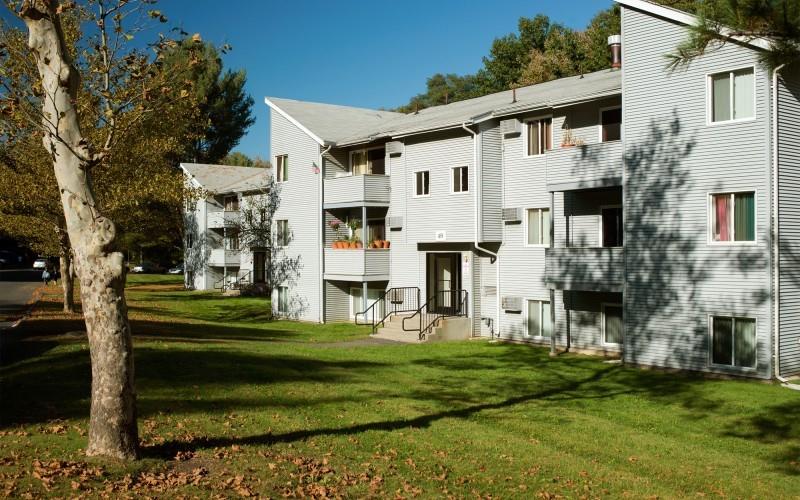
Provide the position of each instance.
(359, 244)
(351, 245)
(386, 243)
(567, 145)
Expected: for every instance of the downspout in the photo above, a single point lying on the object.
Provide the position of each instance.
(321, 239)
(476, 241)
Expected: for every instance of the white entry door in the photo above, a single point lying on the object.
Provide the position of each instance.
(357, 306)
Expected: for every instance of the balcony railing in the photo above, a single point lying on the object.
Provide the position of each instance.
(357, 190)
(221, 218)
(585, 167)
(587, 269)
(220, 257)
(363, 264)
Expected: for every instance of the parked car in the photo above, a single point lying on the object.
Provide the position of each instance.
(147, 268)
(40, 263)
(177, 269)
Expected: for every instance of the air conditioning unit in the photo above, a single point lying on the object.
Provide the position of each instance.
(395, 222)
(512, 303)
(394, 148)
(489, 290)
(511, 127)
(512, 215)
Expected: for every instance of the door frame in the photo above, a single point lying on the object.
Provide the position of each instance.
(431, 285)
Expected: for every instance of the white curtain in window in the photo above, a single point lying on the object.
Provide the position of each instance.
(722, 97)
(545, 226)
(743, 94)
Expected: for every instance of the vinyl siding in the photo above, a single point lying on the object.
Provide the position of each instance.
(674, 279)
(491, 203)
(789, 220)
(442, 210)
(404, 258)
(337, 301)
(300, 200)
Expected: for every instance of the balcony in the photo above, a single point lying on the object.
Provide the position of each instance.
(357, 264)
(220, 257)
(219, 219)
(585, 167)
(357, 190)
(586, 269)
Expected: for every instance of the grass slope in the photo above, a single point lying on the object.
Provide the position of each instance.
(230, 405)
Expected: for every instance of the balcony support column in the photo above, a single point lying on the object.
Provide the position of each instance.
(552, 227)
(364, 284)
(364, 226)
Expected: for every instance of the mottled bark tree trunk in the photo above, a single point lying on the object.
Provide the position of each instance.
(67, 271)
(112, 425)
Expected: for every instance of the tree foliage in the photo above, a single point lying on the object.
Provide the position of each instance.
(225, 108)
(724, 21)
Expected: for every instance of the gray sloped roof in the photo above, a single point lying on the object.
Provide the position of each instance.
(226, 178)
(343, 126)
(541, 96)
(331, 122)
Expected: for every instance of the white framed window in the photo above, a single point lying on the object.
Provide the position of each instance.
(232, 239)
(613, 324)
(459, 179)
(282, 233)
(282, 167)
(371, 161)
(537, 227)
(732, 218)
(733, 341)
(731, 96)
(538, 323)
(422, 185)
(538, 136)
(283, 299)
(610, 124)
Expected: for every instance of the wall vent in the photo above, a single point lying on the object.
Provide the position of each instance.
(511, 127)
(395, 222)
(512, 303)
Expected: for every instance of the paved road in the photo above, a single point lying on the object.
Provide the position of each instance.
(16, 289)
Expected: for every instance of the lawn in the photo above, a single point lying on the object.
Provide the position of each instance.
(231, 404)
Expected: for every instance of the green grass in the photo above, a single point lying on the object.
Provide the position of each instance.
(241, 405)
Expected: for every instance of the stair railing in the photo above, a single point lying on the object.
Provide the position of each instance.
(391, 302)
(442, 304)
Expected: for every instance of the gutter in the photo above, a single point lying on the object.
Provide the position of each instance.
(321, 238)
(476, 242)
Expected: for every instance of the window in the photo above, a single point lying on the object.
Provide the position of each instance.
(539, 322)
(231, 203)
(611, 228)
(283, 299)
(422, 183)
(233, 239)
(460, 179)
(539, 136)
(732, 95)
(282, 236)
(733, 341)
(733, 217)
(282, 167)
(612, 324)
(610, 124)
(538, 227)
(368, 161)
(189, 240)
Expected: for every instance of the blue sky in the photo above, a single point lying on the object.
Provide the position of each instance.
(356, 52)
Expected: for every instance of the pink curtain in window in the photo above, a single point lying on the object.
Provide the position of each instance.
(722, 207)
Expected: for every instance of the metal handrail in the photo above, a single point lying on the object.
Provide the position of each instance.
(400, 299)
(225, 283)
(445, 303)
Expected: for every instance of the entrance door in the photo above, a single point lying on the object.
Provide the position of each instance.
(259, 267)
(357, 304)
(444, 279)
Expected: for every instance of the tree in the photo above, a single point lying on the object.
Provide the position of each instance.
(86, 103)
(237, 159)
(224, 106)
(724, 21)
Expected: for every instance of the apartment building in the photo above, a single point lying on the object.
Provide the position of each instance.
(638, 212)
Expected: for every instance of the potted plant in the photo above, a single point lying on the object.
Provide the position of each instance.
(386, 243)
(336, 225)
(359, 244)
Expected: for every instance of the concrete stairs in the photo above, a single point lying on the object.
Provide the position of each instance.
(446, 329)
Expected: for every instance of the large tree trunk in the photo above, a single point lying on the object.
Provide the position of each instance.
(112, 425)
(67, 271)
